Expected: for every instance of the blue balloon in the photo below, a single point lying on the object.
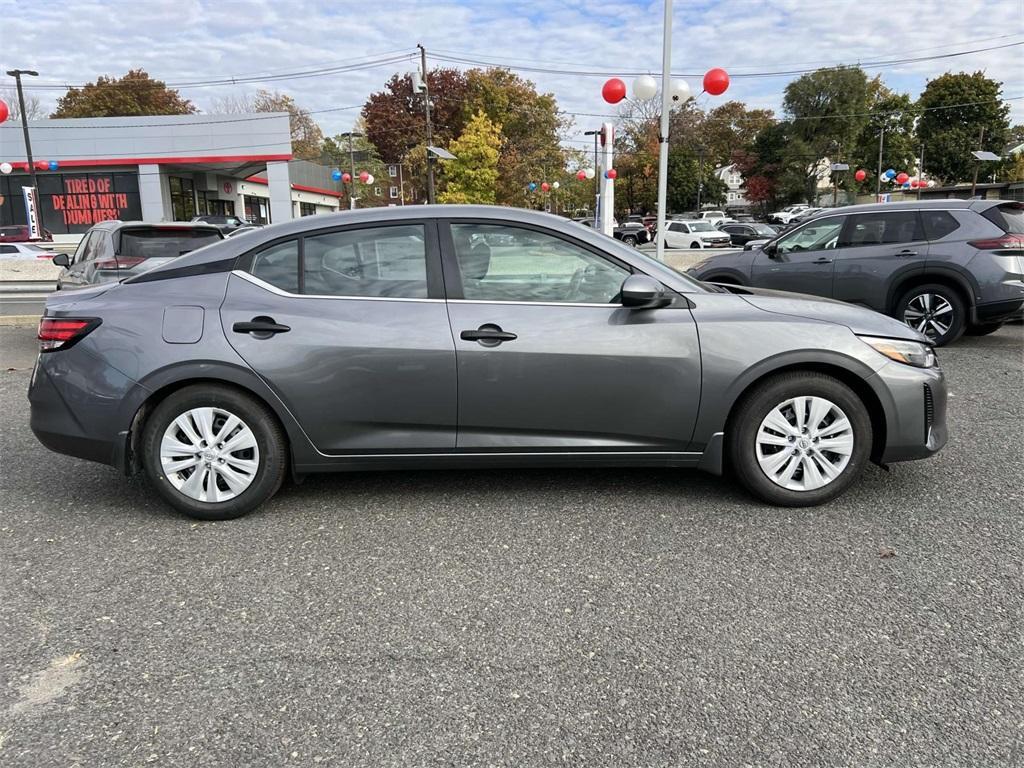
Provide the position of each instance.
(906, 185)
(890, 173)
(54, 165)
(531, 186)
(336, 174)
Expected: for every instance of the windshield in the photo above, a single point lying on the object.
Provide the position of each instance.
(163, 242)
(702, 226)
(763, 229)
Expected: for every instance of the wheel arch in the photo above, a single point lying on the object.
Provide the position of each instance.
(949, 277)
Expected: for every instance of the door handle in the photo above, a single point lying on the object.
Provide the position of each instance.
(906, 252)
(260, 327)
(822, 260)
(489, 335)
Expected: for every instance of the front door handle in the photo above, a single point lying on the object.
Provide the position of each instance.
(489, 335)
(822, 260)
(260, 327)
(905, 253)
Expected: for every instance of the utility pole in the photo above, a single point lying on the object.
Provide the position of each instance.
(401, 186)
(977, 162)
(430, 127)
(920, 173)
(352, 173)
(16, 74)
(700, 175)
(878, 176)
(597, 181)
(663, 125)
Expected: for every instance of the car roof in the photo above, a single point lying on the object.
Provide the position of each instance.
(950, 203)
(115, 224)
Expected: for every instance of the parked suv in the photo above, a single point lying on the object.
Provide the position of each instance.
(114, 250)
(944, 267)
(694, 234)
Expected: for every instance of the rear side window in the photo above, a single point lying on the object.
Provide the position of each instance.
(381, 262)
(278, 265)
(938, 224)
(145, 243)
(882, 229)
(1009, 217)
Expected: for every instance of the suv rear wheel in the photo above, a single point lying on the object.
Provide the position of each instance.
(935, 310)
(213, 452)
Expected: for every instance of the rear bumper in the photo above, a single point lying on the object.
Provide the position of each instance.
(916, 414)
(996, 311)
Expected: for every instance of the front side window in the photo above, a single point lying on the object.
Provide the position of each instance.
(882, 229)
(817, 236)
(502, 263)
(278, 265)
(381, 262)
(938, 224)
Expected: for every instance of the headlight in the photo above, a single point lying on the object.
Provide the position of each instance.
(907, 352)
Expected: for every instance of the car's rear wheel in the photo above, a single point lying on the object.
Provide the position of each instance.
(213, 452)
(935, 310)
(799, 439)
(629, 239)
(983, 329)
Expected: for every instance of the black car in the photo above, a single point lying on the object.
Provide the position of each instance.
(944, 267)
(114, 250)
(225, 224)
(631, 232)
(741, 233)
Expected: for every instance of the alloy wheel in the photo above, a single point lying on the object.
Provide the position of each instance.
(209, 454)
(930, 314)
(804, 443)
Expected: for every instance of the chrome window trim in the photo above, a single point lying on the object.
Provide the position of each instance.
(280, 292)
(533, 303)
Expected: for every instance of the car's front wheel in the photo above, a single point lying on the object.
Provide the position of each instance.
(629, 239)
(935, 310)
(799, 439)
(695, 244)
(213, 452)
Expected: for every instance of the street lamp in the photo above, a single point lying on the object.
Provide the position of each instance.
(16, 74)
(597, 181)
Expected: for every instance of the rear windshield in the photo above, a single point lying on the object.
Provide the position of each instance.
(164, 243)
(1009, 217)
(13, 231)
(701, 226)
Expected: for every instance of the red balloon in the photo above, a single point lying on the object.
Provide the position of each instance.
(42, 165)
(581, 175)
(902, 178)
(363, 176)
(716, 81)
(611, 173)
(346, 177)
(544, 187)
(4, 111)
(860, 175)
(614, 91)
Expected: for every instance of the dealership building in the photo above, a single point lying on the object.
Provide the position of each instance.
(165, 168)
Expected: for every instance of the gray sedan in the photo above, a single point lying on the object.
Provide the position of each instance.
(464, 336)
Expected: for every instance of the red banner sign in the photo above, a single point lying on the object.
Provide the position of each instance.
(89, 201)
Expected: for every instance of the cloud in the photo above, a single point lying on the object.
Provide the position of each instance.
(189, 40)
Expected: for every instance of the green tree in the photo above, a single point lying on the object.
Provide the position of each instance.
(961, 113)
(136, 93)
(473, 175)
(684, 172)
(729, 128)
(896, 113)
(335, 152)
(305, 133)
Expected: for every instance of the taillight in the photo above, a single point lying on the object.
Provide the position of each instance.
(125, 262)
(1004, 243)
(62, 332)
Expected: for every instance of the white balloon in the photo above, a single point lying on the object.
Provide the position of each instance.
(369, 179)
(931, 183)
(555, 185)
(590, 173)
(645, 87)
(6, 168)
(680, 90)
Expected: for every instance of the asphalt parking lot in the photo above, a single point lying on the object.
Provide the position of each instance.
(592, 618)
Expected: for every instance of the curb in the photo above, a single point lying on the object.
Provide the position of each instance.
(19, 321)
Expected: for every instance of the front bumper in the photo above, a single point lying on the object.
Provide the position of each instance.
(915, 412)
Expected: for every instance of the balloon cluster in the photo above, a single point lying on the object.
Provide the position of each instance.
(544, 186)
(365, 177)
(585, 173)
(41, 165)
(716, 82)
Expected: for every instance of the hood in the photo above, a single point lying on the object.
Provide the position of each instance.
(860, 320)
(739, 260)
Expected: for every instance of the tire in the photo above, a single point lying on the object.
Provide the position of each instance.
(256, 468)
(927, 307)
(629, 240)
(753, 442)
(695, 244)
(983, 329)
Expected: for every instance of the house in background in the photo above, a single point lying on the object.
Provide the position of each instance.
(734, 195)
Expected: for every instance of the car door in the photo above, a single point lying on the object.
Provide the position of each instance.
(349, 327)
(801, 261)
(876, 250)
(677, 235)
(549, 359)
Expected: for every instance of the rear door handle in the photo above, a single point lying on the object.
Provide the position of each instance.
(905, 253)
(260, 327)
(489, 335)
(822, 261)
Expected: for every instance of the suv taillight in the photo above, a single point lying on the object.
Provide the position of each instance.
(1004, 243)
(124, 262)
(62, 332)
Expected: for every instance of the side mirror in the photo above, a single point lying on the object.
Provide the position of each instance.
(643, 292)
(61, 260)
(769, 249)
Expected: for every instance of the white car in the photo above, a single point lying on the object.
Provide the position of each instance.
(786, 214)
(25, 251)
(695, 234)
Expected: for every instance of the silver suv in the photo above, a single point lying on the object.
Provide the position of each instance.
(944, 267)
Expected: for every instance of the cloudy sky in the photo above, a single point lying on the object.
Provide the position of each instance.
(357, 45)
